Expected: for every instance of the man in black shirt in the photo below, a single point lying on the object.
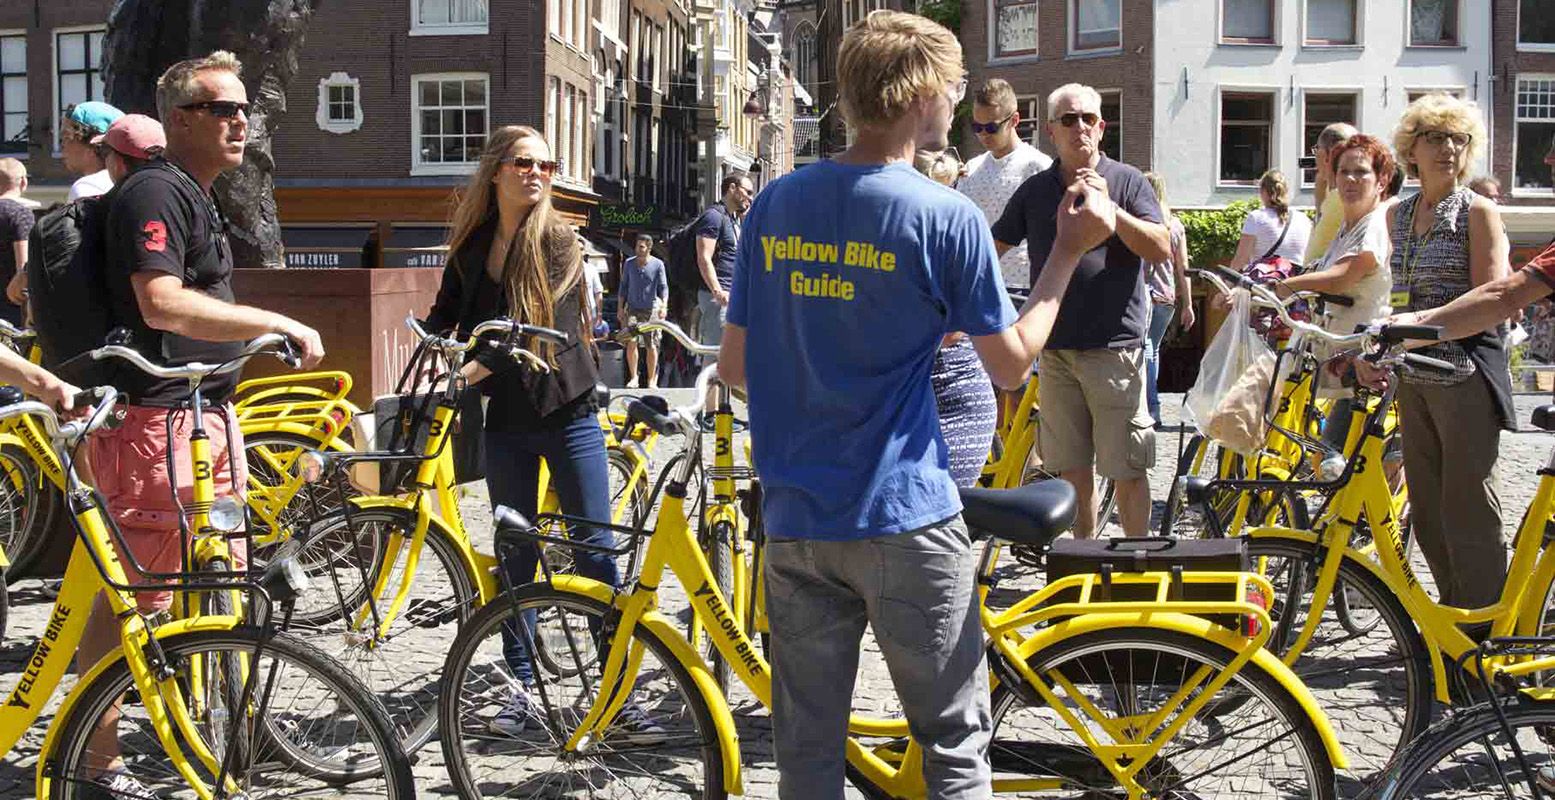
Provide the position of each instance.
(717, 232)
(169, 278)
(16, 222)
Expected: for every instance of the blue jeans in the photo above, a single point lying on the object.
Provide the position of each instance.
(710, 325)
(580, 474)
(1160, 319)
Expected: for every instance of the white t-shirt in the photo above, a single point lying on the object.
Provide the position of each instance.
(1372, 294)
(989, 183)
(1264, 225)
(94, 185)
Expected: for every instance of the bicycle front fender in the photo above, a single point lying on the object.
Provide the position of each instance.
(66, 708)
(1200, 628)
(669, 634)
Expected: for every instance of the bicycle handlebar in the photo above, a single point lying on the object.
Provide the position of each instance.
(1263, 298)
(692, 346)
(501, 325)
(101, 399)
(272, 343)
(14, 333)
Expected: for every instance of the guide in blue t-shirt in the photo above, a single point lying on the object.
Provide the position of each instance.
(845, 303)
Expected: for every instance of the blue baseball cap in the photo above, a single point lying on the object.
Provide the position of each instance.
(95, 116)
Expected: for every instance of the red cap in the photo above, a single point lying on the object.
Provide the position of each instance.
(134, 135)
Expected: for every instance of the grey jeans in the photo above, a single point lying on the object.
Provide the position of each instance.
(916, 592)
(710, 319)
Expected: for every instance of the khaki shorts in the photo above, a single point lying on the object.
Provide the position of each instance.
(1093, 410)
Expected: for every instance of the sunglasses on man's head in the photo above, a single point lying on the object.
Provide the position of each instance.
(1069, 120)
(222, 109)
(526, 165)
(991, 127)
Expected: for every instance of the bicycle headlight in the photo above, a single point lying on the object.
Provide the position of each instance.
(227, 515)
(309, 466)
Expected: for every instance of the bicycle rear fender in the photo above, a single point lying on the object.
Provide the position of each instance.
(723, 721)
(168, 631)
(1200, 628)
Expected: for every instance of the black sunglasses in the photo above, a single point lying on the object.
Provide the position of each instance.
(223, 109)
(1068, 120)
(526, 165)
(992, 127)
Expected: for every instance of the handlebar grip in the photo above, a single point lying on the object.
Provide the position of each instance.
(1426, 362)
(641, 412)
(289, 354)
(1336, 299)
(1397, 333)
(87, 398)
(549, 334)
(1228, 274)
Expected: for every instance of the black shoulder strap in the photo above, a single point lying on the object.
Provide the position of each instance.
(1277, 242)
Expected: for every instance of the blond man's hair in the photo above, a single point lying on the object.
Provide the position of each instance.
(1439, 111)
(12, 173)
(997, 94)
(177, 86)
(888, 60)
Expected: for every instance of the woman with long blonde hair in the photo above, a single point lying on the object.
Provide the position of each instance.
(511, 255)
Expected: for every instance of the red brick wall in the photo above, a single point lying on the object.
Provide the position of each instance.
(39, 18)
(1507, 63)
(1130, 71)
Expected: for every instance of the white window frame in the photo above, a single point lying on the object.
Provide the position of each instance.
(59, 110)
(1516, 192)
(1072, 26)
(993, 35)
(418, 168)
(26, 110)
(1274, 128)
(1360, 30)
(1113, 123)
(1529, 47)
(1275, 20)
(455, 29)
(321, 115)
(1409, 27)
(1037, 105)
(1358, 92)
(552, 112)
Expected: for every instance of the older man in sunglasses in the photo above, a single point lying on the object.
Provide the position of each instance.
(992, 178)
(1094, 416)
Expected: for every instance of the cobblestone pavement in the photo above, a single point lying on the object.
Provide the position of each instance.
(1361, 708)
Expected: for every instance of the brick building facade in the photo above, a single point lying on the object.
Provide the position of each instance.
(1523, 42)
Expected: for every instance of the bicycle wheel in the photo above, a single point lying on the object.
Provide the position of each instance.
(1376, 686)
(314, 704)
(401, 666)
(271, 456)
(28, 505)
(628, 508)
(1469, 755)
(663, 744)
(1268, 747)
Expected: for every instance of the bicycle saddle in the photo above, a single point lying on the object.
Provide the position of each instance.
(1544, 418)
(1034, 514)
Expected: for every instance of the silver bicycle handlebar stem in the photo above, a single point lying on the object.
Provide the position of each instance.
(195, 370)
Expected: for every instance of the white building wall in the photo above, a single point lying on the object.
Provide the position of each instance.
(1193, 68)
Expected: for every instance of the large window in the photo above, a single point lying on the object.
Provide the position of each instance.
(444, 17)
(580, 136)
(1032, 114)
(1318, 111)
(1535, 25)
(1015, 28)
(1096, 24)
(13, 94)
(553, 99)
(564, 150)
(79, 78)
(553, 17)
(1247, 21)
(1332, 22)
(450, 122)
(1246, 135)
(1534, 133)
(1112, 112)
(805, 57)
(1433, 23)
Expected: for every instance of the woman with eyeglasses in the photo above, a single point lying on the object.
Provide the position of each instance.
(512, 255)
(1446, 241)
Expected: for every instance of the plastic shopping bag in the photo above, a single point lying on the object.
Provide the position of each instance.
(1227, 401)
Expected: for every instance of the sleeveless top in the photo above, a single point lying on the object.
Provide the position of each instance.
(1435, 268)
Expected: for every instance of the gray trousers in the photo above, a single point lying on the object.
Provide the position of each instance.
(1451, 442)
(916, 592)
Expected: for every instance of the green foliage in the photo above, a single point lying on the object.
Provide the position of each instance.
(1213, 234)
(945, 12)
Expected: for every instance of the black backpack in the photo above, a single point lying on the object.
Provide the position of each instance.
(682, 265)
(67, 288)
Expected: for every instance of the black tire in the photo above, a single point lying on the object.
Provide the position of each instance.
(371, 763)
(401, 668)
(1468, 755)
(29, 507)
(718, 546)
(1031, 743)
(621, 466)
(485, 763)
(1388, 666)
(5, 602)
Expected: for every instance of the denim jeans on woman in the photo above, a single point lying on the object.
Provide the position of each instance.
(1160, 320)
(580, 473)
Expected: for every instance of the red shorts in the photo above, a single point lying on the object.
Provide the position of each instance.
(129, 464)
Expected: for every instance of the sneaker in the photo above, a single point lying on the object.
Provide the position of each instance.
(634, 724)
(120, 785)
(517, 715)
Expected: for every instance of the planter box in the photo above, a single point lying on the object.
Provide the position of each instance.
(359, 312)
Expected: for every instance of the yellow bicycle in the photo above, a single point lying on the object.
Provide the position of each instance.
(632, 709)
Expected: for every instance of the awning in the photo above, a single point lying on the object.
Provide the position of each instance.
(416, 246)
(320, 246)
(801, 96)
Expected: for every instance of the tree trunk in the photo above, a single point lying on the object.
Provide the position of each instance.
(145, 37)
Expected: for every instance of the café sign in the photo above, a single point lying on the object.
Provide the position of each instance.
(609, 215)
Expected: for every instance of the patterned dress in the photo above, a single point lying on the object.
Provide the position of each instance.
(967, 410)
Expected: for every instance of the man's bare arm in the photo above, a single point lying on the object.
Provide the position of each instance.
(168, 305)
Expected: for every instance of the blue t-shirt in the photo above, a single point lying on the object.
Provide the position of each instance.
(642, 285)
(846, 280)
